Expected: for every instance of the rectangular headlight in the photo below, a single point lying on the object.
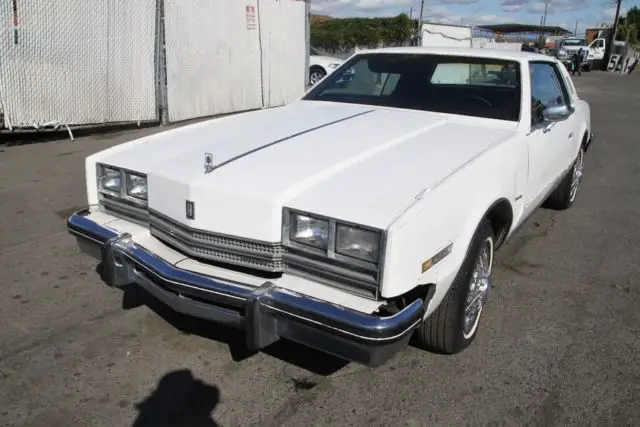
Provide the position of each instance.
(309, 231)
(136, 185)
(358, 243)
(109, 179)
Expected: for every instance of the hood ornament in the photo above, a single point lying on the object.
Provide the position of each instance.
(208, 163)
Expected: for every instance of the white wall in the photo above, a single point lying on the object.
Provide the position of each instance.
(458, 36)
(77, 62)
(445, 35)
(213, 58)
(226, 56)
(282, 30)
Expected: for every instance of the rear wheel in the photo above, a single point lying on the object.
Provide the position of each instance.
(453, 326)
(567, 191)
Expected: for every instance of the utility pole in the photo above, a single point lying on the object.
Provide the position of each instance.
(411, 12)
(546, 6)
(575, 30)
(611, 37)
(420, 24)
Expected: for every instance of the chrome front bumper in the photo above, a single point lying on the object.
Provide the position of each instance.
(265, 313)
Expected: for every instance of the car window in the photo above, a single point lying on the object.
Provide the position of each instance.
(480, 87)
(547, 88)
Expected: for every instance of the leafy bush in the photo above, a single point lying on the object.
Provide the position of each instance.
(348, 33)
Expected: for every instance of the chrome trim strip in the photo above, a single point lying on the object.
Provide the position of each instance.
(298, 308)
(286, 138)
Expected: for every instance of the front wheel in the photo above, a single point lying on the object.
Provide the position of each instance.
(315, 75)
(453, 326)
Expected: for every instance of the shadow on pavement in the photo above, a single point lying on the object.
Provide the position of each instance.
(179, 400)
(290, 352)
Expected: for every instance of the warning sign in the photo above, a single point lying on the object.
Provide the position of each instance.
(251, 17)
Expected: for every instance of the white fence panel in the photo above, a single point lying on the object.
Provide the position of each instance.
(212, 56)
(77, 61)
(284, 50)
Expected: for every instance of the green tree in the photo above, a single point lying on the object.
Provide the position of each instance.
(347, 33)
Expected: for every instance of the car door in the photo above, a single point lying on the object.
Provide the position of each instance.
(549, 144)
(597, 47)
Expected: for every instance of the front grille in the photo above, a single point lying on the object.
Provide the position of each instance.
(123, 209)
(239, 253)
(202, 244)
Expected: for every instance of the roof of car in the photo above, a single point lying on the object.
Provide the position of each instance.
(465, 51)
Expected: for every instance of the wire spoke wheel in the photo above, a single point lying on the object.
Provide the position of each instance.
(479, 286)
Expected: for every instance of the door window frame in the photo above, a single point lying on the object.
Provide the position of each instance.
(566, 95)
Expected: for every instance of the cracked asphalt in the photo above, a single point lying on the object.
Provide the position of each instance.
(559, 343)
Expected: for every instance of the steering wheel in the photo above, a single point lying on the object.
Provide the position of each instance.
(479, 98)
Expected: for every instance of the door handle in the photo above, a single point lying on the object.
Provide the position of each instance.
(570, 135)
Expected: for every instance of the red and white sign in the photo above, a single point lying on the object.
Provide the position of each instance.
(251, 17)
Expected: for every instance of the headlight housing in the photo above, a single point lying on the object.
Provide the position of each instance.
(122, 184)
(358, 243)
(334, 65)
(109, 180)
(310, 231)
(344, 242)
(136, 185)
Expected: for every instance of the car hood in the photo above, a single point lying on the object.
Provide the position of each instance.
(356, 163)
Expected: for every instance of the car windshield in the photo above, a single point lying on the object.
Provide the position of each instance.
(574, 42)
(472, 86)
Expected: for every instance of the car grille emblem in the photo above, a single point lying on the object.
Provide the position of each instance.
(208, 163)
(190, 208)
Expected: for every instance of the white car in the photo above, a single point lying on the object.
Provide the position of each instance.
(351, 219)
(321, 65)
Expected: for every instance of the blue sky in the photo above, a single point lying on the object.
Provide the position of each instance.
(563, 13)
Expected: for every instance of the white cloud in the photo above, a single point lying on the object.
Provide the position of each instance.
(359, 7)
(442, 15)
(609, 12)
(513, 5)
(557, 6)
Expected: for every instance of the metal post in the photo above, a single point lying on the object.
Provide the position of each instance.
(420, 23)
(546, 5)
(611, 37)
(307, 36)
(161, 65)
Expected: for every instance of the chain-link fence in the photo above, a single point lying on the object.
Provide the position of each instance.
(77, 62)
(66, 63)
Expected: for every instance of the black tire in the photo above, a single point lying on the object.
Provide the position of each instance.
(315, 74)
(564, 196)
(444, 330)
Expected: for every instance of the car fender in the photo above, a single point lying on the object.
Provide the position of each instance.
(423, 232)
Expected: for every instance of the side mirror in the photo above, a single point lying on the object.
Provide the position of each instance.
(556, 113)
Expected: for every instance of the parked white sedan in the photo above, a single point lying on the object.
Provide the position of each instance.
(354, 218)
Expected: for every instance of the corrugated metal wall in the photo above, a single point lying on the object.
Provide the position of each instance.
(77, 61)
(284, 50)
(227, 55)
(213, 57)
(94, 61)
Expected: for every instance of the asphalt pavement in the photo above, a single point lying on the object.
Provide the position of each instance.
(559, 342)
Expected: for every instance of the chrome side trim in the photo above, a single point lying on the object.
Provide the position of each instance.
(289, 137)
